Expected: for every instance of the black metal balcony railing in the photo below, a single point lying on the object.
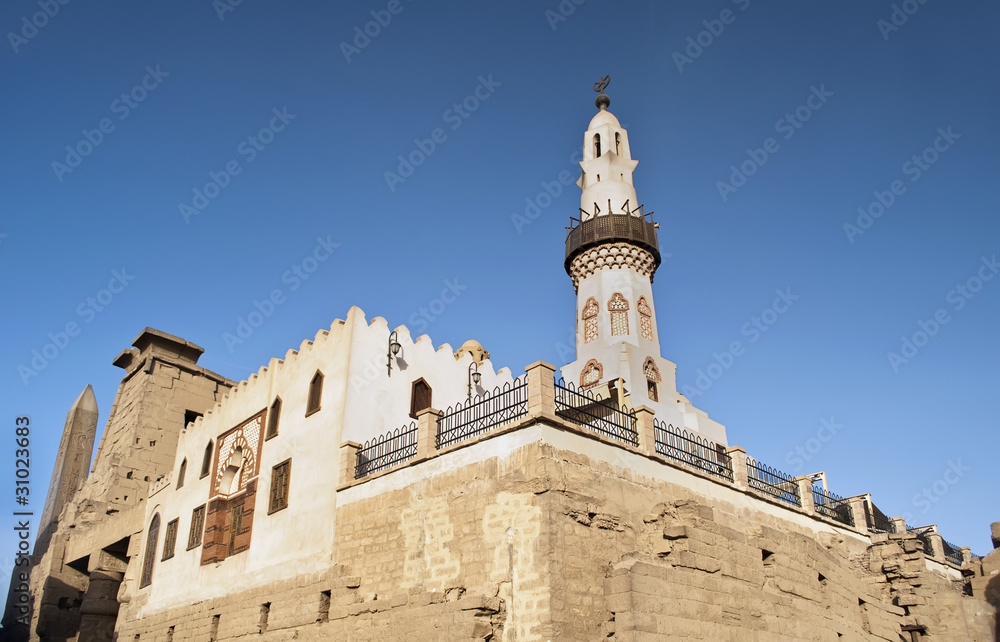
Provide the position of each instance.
(833, 506)
(598, 415)
(951, 552)
(505, 404)
(771, 481)
(877, 520)
(388, 450)
(692, 450)
(608, 228)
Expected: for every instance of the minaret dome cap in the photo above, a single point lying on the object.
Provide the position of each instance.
(604, 117)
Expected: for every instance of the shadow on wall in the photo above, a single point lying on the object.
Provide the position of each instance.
(993, 597)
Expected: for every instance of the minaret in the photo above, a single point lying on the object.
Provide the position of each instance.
(612, 253)
(73, 459)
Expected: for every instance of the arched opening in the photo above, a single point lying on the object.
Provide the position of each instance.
(645, 319)
(652, 374)
(229, 484)
(315, 393)
(272, 418)
(150, 557)
(206, 462)
(597, 145)
(590, 310)
(618, 144)
(420, 397)
(591, 375)
(181, 472)
(618, 305)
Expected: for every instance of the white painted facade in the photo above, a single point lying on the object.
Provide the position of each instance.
(620, 274)
(361, 400)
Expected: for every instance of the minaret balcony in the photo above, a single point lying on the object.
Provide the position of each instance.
(638, 229)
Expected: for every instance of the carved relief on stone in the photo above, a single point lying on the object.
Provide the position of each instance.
(645, 319)
(591, 374)
(590, 320)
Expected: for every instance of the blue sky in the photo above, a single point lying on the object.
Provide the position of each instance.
(760, 130)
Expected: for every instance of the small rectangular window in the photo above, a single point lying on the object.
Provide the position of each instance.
(272, 419)
(315, 393)
(197, 526)
(279, 486)
(170, 541)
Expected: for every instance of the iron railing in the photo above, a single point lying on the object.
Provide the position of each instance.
(773, 482)
(607, 228)
(951, 552)
(692, 450)
(480, 414)
(600, 416)
(922, 533)
(833, 506)
(392, 448)
(877, 521)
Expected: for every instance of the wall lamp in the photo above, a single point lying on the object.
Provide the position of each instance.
(393, 350)
(474, 377)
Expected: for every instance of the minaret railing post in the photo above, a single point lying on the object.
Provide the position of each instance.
(738, 456)
(427, 426)
(805, 483)
(541, 390)
(646, 428)
(348, 461)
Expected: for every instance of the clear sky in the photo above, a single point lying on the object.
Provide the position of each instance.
(842, 154)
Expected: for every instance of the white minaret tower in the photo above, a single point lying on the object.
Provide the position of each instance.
(612, 254)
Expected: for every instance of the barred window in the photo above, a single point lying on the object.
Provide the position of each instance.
(591, 374)
(150, 558)
(618, 305)
(279, 486)
(645, 319)
(590, 310)
(197, 526)
(315, 393)
(272, 418)
(170, 541)
(652, 378)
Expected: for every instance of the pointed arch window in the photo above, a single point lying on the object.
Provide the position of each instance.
(315, 393)
(206, 462)
(150, 558)
(590, 310)
(618, 305)
(652, 374)
(591, 374)
(597, 145)
(618, 144)
(272, 419)
(420, 397)
(645, 319)
(182, 472)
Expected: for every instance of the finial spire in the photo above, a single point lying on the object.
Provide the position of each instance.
(602, 102)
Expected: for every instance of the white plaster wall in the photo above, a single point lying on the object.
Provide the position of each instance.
(360, 401)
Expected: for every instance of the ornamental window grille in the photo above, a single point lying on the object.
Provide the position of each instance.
(652, 374)
(150, 557)
(170, 540)
(618, 305)
(590, 310)
(197, 526)
(272, 418)
(279, 486)
(591, 375)
(645, 319)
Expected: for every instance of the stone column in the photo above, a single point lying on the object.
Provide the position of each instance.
(966, 554)
(739, 457)
(427, 424)
(348, 460)
(900, 524)
(805, 483)
(541, 390)
(858, 505)
(936, 544)
(647, 432)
